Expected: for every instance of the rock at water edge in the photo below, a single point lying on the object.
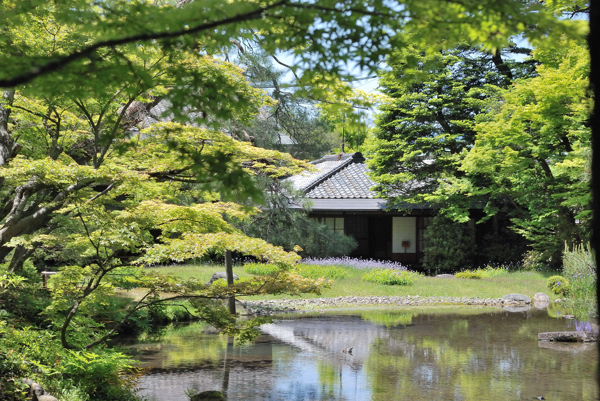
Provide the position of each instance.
(567, 336)
(541, 300)
(516, 298)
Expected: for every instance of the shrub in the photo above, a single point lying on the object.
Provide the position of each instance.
(450, 245)
(21, 298)
(502, 246)
(491, 271)
(469, 275)
(261, 269)
(558, 285)
(38, 354)
(315, 271)
(579, 269)
(536, 261)
(355, 263)
(390, 277)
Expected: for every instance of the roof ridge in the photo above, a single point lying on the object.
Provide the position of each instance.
(354, 157)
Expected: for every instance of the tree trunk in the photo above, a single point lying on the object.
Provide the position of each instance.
(501, 66)
(8, 147)
(65, 327)
(229, 274)
(20, 255)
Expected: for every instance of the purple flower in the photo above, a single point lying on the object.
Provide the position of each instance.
(362, 264)
(584, 326)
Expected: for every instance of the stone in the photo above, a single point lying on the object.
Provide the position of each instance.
(35, 390)
(212, 395)
(541, 300)
(220, 275)
(516, 298)
(567, 336)
(445, 276)
(47, 397)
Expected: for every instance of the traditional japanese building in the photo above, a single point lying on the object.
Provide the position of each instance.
(341, 197)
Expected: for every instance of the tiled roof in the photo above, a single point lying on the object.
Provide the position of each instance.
(338, 177)
(325, 166)
(350, 182)
(342, 183)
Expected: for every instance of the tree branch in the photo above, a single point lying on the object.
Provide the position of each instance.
(142, 37)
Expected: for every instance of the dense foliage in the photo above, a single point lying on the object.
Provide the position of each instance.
(559, 285)
(459, 142)
(304, 270)
(449, 246)
(429, 121)
(113, 154)
(469, 275)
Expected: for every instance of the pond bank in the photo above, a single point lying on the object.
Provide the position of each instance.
(268, 307)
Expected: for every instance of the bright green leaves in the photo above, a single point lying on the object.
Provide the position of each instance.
(209, 159)
(534, 149)
(61, 174)
(197, 245)
(346, 111)
(459, 135)
(219, 93)
(323, 36)
(174, 220)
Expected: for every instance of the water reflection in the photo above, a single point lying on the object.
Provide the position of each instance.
(467, 354)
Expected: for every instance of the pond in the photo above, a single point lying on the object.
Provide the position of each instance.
(425, 354)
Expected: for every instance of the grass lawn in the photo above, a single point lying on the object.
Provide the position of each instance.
(521, 282)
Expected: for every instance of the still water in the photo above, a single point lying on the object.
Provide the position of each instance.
(425, 354)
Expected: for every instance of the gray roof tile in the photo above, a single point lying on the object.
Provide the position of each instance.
(338, 177)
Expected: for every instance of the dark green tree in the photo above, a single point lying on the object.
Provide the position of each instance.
(282, 225)
(428, 124)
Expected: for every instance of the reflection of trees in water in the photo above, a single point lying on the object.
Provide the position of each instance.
(389, 318)
(476, 358)
(435, 357)
(226, 366)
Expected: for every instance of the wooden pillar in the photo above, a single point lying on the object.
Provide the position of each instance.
(229, 273)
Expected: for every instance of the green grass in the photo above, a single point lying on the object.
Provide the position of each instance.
(522, 282)
(199, 272)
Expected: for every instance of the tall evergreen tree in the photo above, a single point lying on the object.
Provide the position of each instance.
(424, 131)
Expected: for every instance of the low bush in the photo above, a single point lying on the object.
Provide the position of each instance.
(315, 271)
(450, 246)
(261, 269)
(579, 269)
(491, 271)
(38, 355)
(390, 277)
(469, 275)
(558, 285)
